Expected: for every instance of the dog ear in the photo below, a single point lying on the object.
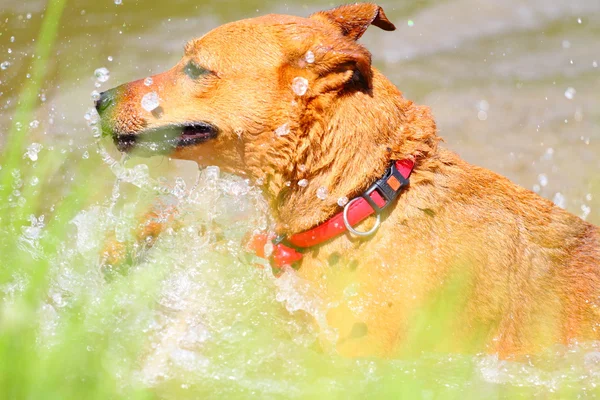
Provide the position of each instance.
(354, 19)
(346, 61)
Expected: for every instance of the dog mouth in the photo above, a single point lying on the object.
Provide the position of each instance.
(165, 140)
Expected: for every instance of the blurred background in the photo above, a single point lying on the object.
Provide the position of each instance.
(514, 86)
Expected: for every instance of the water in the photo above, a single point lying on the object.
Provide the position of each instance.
(32, 151)
(150, 101)
(309, 57)
(102, 74)
(322, 193)
(514, 87)
(283, 130)
(300, 86)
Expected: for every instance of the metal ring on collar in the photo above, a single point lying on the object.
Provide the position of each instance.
(354, 231)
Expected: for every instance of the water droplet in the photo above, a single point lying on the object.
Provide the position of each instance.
(33, 150)
(585, 211)
(483, 105)
(309, 57)
(549, 154)
(148, 81)
(303, 183)
(342, 201)
(34, 231)
(283, 130)
(109, 58)
(212, 173)
(300, 86)
(179, 190)
(588, 197)
(34, 124)
(95, 95)
(91, 116)
(115, 193)
(4, 65)
(595, 64)
(12, 39)
(560, 200)
(268, 249)
(579, 20)
(85, 155)
(28, 16)
(322, 193)
(102, 74)
(302, 167)
(34, 181)
(118, 2)
(543, 180)
(150, 101)
(351, 290)
(570, 93)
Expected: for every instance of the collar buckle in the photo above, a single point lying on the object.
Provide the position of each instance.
(388, 187)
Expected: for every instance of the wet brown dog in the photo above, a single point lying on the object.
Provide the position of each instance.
(283, 99)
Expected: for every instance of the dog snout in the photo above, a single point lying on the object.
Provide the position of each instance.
(106, 100)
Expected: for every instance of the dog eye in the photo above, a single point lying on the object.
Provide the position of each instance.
(194, 71)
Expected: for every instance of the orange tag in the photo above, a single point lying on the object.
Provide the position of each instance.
(394, 183)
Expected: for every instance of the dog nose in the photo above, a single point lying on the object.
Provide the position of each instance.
(105, 100)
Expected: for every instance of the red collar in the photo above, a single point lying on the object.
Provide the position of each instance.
(287, 251)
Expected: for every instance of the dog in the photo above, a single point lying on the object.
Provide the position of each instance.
(379, 219)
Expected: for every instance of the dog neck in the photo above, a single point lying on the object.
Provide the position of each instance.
(338, 155)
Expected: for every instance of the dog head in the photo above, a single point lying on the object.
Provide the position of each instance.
(241, 89)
